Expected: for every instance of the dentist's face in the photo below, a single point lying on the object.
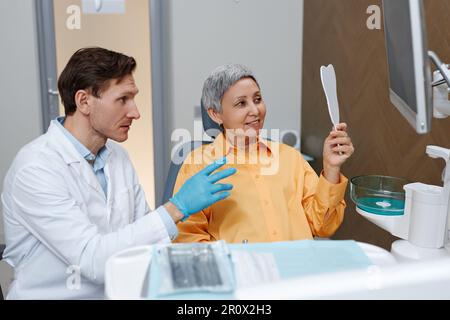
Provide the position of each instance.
(112, 114)
(243, 108)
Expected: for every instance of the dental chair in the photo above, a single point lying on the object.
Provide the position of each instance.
(212, 129)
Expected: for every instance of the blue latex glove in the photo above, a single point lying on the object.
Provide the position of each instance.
(200, 191)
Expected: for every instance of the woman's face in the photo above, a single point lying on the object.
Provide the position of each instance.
(243, 109)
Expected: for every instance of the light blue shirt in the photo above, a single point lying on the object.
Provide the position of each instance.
(98, 166)
(99, 161)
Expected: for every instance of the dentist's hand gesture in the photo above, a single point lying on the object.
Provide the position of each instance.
(201, 191)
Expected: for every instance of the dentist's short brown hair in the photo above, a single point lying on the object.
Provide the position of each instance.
(92, 69)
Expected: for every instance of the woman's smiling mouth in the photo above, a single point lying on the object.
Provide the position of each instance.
(253, 124)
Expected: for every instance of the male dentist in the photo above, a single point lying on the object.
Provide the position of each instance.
(71, 198)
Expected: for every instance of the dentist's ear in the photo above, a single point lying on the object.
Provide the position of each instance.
(81, 100)
(215, 116)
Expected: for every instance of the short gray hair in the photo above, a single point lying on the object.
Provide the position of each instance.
(220, 80)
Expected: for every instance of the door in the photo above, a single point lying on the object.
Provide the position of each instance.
(119, 25)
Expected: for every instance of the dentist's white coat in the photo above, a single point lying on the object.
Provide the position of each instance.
(58, 220)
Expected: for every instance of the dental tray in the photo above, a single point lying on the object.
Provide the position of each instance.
(381, 195)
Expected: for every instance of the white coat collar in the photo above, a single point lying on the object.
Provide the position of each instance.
(73, 158)
(65, 148)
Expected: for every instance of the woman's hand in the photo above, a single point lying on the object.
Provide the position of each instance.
(338, 147)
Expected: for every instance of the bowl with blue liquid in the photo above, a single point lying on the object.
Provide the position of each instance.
(380, 195)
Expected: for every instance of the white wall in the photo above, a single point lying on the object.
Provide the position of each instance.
(20, 119)
(265, 35)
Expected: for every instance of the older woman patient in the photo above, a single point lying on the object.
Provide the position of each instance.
(281, 202)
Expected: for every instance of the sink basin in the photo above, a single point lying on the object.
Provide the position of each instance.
(380, 195)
